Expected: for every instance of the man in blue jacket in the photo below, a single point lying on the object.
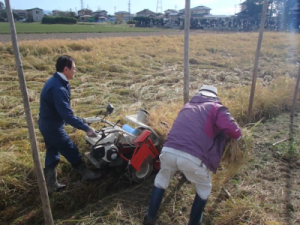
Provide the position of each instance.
(194, 146)
(55, 112)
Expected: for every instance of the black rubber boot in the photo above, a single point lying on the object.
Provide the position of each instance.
(197, 211)
(51, 180)
(156, 198)
(87, 174)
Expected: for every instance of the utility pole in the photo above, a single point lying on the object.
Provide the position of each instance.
(34, 147)
(82, 5)
(159, 6)
(241, 7)
(186, 51)
(129, 9)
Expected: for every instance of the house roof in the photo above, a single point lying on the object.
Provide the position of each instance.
(85, 10)
(196, 8)
(86, 16)
(171, 10)
(19, 10)
(146, 11)
(99, 11)
(217, 16)
(121, 12)
(200, 7)
(245, 13)
(33, 9)
(57, 11)
(173, 14)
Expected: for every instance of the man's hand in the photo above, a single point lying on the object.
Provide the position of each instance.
(91, 132)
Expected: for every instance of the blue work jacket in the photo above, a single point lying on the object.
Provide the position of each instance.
(55, 109)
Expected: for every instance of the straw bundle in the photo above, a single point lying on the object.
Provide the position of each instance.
(236, 153)
(232, 152)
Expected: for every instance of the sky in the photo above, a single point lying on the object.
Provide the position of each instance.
(219, 7)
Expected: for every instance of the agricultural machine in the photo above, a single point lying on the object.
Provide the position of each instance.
(137, 148)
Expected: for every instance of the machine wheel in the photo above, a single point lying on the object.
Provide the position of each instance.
(144, 172)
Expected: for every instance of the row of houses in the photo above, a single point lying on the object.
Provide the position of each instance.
(36, 14)
(172, 14)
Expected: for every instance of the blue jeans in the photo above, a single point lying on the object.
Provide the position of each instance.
(58, 142)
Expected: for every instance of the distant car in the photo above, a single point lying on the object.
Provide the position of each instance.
(22, 20)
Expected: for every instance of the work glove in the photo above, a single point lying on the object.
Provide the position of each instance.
(91, 132)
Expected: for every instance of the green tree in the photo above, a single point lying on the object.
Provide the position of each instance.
(254, 8)
(3, 14)
(282, 9)
(119, 19)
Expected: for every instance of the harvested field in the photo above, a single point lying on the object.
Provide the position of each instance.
(78, 36)
(147, 72)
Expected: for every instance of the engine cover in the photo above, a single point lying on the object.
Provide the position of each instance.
(107, 153)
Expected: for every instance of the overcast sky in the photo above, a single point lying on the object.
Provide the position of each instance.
(219, 7)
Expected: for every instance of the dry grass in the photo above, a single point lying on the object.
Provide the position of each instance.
(132, 73)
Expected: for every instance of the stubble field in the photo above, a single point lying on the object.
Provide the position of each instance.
(147, 72)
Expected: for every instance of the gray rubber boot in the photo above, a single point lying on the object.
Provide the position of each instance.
(51, 180)
(87, 174)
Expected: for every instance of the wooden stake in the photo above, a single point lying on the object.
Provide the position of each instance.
(186, 51)
(261, 33)
(295, 94)
(35, 153)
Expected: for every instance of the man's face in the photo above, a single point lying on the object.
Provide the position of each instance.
(69, 73)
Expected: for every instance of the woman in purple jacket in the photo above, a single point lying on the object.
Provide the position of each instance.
(194, 146)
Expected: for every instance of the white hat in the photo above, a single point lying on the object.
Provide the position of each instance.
(209, 91)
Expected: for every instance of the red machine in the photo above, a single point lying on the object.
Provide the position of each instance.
(138, 147)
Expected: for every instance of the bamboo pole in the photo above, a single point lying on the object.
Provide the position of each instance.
(186, 52)
(295, 94)
(261, 33)
(35, 154)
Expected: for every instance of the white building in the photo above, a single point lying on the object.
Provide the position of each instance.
(35, 14)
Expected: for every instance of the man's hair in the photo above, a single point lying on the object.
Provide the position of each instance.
(62, 62)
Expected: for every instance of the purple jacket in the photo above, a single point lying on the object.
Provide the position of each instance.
(200, 130)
